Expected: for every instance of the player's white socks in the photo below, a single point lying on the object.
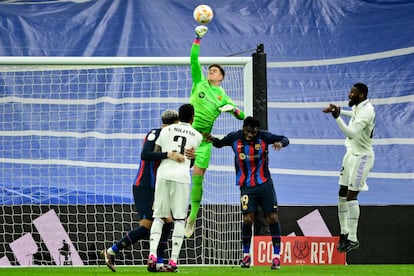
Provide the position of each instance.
(110, 251)
(343, 214)
(353, 217)
(155, 235)
(177, 239)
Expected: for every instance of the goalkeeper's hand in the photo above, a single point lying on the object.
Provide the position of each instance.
(226, 108)
(201, 31)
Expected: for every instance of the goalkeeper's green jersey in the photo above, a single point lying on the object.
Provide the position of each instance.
(206, 98)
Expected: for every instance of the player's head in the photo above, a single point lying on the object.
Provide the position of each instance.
(215, 73)
(186, 113)
(358, 93)
(251, 127)
(169, 117)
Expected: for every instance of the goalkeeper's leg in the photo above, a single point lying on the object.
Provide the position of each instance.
(196, 195)
(203, 155)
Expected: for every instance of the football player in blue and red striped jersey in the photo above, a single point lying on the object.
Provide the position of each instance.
(250, 146)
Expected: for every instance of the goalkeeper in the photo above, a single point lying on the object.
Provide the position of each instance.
(209, 100)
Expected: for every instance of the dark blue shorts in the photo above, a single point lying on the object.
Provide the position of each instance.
(262, 195)
(143, 198)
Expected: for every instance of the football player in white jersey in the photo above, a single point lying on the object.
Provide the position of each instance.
(172, 188)
(357, 162)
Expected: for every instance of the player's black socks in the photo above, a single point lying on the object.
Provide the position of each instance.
(246, 237)
(166, 230)
(275, 232)
(133, 236)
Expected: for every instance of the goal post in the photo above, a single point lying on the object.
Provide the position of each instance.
(71, 131)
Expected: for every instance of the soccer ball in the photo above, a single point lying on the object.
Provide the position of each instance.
(203, 14)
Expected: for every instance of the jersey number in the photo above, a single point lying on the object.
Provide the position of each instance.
(181, 146)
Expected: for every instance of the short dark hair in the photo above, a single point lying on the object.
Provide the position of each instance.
(251, 122)
(362, 88)
(186, 113)
(219, 67)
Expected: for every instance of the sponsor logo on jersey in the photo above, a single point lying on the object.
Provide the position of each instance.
(243, 156)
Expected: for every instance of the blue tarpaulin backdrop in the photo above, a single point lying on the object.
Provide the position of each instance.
(315, 51)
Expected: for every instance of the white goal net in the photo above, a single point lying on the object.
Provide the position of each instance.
(71, 131)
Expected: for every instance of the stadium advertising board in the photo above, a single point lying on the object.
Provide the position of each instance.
(299, 250)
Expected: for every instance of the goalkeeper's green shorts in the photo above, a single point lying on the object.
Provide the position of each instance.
(203, 154)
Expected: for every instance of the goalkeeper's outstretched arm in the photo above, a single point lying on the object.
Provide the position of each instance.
(196, 71)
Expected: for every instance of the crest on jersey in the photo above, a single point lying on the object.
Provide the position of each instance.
(244, 199)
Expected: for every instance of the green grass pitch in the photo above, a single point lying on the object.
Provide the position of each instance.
(215, 270)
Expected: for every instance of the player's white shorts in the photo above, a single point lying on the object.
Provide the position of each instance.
(171, 198)
(355, 170)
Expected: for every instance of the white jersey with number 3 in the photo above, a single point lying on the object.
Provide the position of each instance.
(177, 137)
